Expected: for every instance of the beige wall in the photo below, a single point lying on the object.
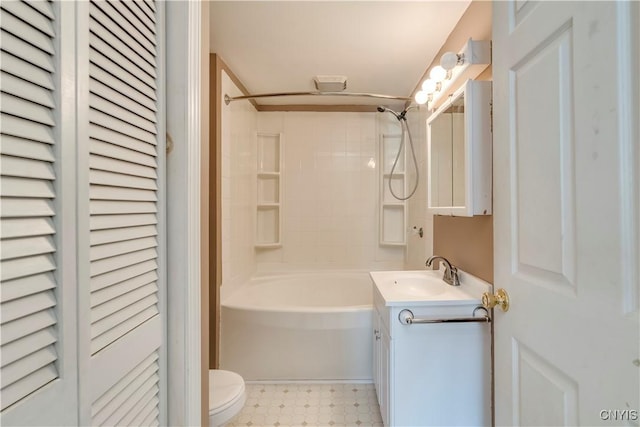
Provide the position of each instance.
(467, 242)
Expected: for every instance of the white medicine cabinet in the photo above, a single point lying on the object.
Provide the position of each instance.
(459, 151)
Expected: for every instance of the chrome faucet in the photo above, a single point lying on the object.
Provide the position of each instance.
(450, 271)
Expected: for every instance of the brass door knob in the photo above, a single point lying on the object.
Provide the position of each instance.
(501, 299)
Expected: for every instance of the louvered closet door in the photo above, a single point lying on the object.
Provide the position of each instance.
(37, 353)
(125, 169)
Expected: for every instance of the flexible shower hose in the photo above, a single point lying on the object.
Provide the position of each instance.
(403, 126)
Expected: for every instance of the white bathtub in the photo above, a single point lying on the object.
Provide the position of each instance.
(303, 326)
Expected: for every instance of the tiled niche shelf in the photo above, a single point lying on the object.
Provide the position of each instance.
(393, 212)
(269, 203)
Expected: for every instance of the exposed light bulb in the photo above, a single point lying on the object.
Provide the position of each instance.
(429, 86)
(438, 73)
(421, 97)
(449, 60)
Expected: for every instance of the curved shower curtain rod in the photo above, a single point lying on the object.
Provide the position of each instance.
(228, 99)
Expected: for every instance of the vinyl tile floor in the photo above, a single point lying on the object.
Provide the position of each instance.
(310, 405)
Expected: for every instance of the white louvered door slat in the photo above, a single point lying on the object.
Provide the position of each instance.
(17, 187)
(124, 22)
(45, 7)
(111, 307)
(108, 330)
(147, 21)
(146, 9)
(112, 249)
(27, 90)
(124, 154)
(28, 299)
(149, 391)
(119, 276)
(26, 109)
(114, 82)
(103, 222)
(28, 365)
(20, 248)
(110, 107)
(116, 97)
(123, 43)
(101, 61)
(37, 322)
(107, 404)
(27, 226)
(15, 126)
(24, 30)
(129, 142)
(101, 296)
(99, 237)
(28, 149)
(117, 25)
(104, 53)
(27, 168)
(125, 180)
(21, 48)
(15, 350)
(14, 289)
(146, 407)
(101, 192)
(107, 121)
(18, 390)
(19, 67)
(140, 30)
(122, 166)
(38, 20)
(25, 208)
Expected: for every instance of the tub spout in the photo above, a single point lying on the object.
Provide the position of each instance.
(450, 271)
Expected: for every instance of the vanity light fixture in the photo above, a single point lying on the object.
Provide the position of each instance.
(429, 86)
(422, 97)
(472, 59)
(449, 60)
(438, 73)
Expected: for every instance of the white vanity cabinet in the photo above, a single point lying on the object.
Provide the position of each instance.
(381, 358)
(431, 374)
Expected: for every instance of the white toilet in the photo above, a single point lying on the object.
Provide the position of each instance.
(226, 396)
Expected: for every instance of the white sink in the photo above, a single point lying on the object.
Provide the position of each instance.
(418, 284)
(425, 286)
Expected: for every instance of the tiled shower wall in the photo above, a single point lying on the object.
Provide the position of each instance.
(239, 157)
(330, 192)
(418, 248)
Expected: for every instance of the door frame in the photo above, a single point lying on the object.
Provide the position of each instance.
(187, 270)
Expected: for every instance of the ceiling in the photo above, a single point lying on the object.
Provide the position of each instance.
(381, 46)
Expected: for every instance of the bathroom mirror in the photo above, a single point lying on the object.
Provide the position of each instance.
(459, 153)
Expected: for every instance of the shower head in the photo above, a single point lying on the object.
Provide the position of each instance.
(399, 116)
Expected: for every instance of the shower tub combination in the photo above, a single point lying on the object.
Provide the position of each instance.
(302, 326)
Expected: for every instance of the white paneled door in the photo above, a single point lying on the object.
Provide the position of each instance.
(566, 212)
(82, 250)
